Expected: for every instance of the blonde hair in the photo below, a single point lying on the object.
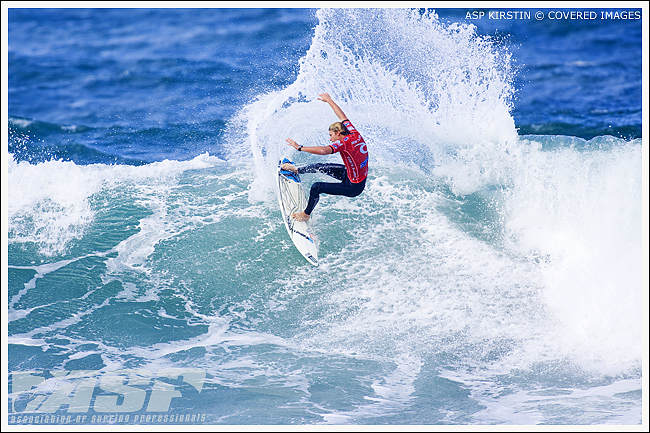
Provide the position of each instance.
(339, 128)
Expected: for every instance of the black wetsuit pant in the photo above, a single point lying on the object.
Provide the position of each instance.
(337, 171)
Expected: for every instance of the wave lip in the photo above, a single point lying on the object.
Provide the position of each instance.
(51, 204)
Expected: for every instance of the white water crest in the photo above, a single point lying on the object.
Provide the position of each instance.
(422, 92)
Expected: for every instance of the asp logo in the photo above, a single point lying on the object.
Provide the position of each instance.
(120, 391)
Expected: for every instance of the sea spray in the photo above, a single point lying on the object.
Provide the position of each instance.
(436, 97)
(418, 89)
(576, 210)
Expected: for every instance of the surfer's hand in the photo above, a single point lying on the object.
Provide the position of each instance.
(325, 97)
(292, 143)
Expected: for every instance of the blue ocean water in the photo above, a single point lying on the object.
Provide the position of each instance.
(490, 274)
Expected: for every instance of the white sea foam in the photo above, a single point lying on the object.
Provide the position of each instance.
(579, 212)
(50, 204)
(561, 278)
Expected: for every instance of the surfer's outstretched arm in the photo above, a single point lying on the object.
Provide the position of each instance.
(316, 150)
(325, 97)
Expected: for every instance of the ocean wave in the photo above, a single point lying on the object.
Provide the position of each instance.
(487, 273)
(36, 141)
(628, 132)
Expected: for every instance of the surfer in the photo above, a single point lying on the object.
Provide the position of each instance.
(351, 175)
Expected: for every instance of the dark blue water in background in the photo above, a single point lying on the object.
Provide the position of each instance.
(166, 79)
(140, 85)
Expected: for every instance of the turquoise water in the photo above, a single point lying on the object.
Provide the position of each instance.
(490, 273)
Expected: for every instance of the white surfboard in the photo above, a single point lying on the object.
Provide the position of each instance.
(292, 199)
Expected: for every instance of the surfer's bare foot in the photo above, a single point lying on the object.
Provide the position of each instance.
(287, 166)
(300, 216)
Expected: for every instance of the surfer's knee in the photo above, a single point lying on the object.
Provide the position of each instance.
(316, 188)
